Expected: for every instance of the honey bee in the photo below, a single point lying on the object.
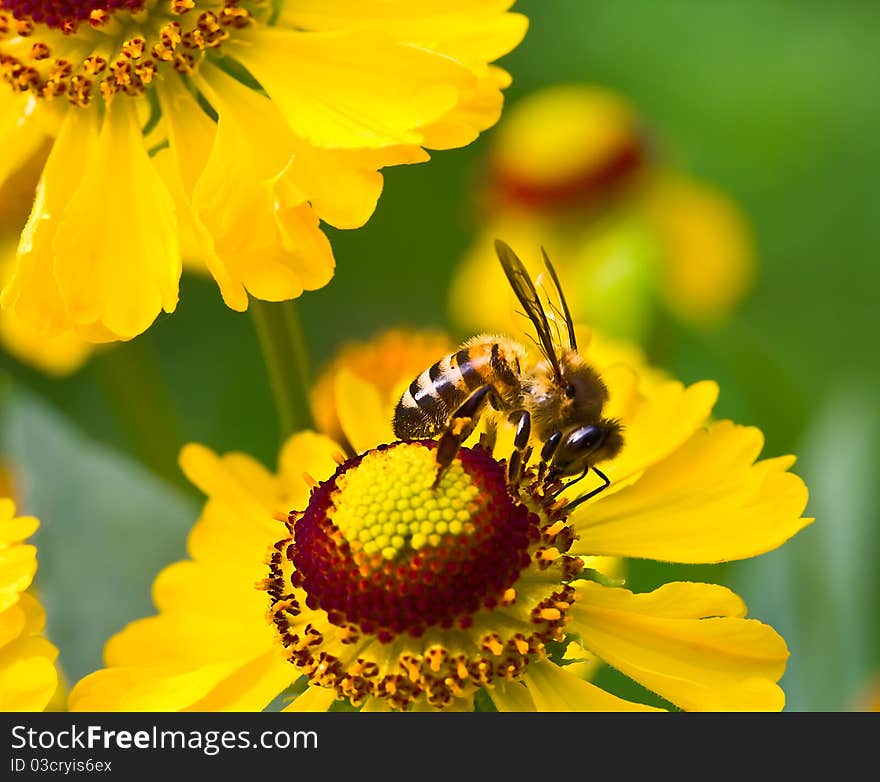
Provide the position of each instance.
(557, 403)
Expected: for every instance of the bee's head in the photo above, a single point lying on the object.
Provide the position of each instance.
(573, 450)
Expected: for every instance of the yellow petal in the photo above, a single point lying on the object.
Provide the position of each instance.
(12, 624)
(313, 699)
(34, 614)
(238, 522)
(721, 663)
(186, 640)
(553, 689)
(656, 425)
(145, 689)
(57, 354)
(265, 235)
(352, 90)
(32, 291)
(363, 414)
(14, 529)
(707, 502)
(306, 454)
(180, 587)
(116, 254)
(17, 568)
(478, 108)
(252, 687)
(28, 677)
(511, 696)
(239, 480)
(474, 31)
(343, 187)
(21, 132)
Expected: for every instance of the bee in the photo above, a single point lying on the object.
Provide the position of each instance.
(556, 403)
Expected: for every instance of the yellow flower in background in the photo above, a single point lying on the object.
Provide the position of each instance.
(222, 132)
(378, 590)
(382, 364)
(572, 168)
(28, 676)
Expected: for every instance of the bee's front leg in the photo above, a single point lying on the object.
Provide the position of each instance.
(521, 453)
(461, 425)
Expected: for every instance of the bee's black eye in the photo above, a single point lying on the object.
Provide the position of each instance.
(585, 439)
(570, 391)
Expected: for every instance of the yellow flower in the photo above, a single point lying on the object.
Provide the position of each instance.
(573, 168)
(393, 595)
(28, 677)
(223, 132)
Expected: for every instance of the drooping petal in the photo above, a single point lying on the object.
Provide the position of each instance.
(686, 642)
(474, 31)
(116, 255)
(709, 501)
(554, 689)
(265, 234)
(22, 132)
(343, 186)
(57, 354)
(352, 89)
(32, 292)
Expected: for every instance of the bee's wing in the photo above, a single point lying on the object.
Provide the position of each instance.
(569, 323)
(525, 291)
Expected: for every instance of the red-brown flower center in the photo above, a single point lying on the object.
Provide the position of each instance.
(66, 14)
(379, 548)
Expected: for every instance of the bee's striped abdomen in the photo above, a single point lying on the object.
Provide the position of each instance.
(425, 407)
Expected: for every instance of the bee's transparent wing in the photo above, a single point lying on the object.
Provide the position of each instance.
(554, 311)
(525, 291)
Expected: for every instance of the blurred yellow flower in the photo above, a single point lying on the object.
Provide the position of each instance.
(573, 169)
(28, 677)
(383, 364)
(394, 596)
(222, 131)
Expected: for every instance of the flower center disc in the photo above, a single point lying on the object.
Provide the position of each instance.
(65, 14)
(381, 548)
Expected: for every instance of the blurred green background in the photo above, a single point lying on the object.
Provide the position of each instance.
(775, 102)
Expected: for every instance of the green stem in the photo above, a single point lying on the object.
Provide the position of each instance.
(135, 389)
(284, 352)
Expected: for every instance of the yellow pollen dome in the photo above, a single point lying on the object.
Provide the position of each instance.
(388, 504)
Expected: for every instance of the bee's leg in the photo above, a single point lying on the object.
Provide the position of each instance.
(520, 456)
(550, 446)
(461, 424)
(590, 494)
